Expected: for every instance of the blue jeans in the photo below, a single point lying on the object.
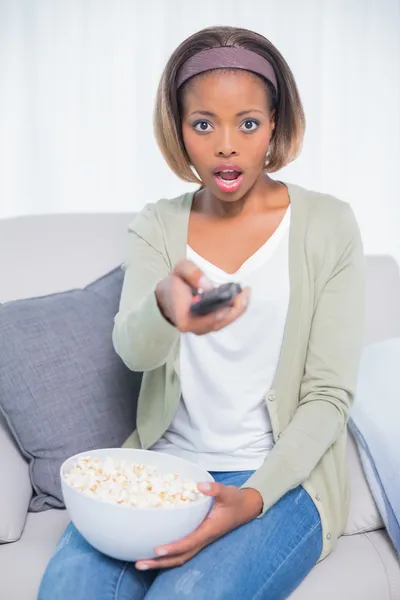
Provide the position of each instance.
(264, 559)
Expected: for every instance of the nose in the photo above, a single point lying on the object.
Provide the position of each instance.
(226, 147)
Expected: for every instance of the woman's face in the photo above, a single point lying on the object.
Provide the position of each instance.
(227, 126)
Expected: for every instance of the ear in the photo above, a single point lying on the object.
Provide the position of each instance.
(272, 120)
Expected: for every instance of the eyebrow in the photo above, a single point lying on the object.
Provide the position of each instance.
(206, 113)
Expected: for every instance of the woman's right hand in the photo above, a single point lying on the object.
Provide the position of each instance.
(174, 298)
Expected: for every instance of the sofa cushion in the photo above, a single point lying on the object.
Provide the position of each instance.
(39, 540)
(63, 389)
(361, 567)
(16, 489)
(364, 515)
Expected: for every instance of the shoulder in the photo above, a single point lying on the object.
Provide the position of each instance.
(329, 230)
(326, 216)
(156, 222)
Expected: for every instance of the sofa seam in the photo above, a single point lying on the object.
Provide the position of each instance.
(368, 529)
(378, 553)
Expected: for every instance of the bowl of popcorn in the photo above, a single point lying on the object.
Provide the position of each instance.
(126, 502)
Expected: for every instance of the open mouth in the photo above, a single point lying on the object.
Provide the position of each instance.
(228, 175)
(228, 180)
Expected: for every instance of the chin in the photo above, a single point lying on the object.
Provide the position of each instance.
(230, 197)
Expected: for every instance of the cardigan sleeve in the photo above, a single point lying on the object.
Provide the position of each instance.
(142, 337)
(330, 373)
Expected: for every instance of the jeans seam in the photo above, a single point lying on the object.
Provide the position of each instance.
(304, 539)
(144, 586)
(119, 580)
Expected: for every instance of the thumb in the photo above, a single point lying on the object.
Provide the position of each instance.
(217, 490)
(192, 275)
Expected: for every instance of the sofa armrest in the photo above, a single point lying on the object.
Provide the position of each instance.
(15, 487)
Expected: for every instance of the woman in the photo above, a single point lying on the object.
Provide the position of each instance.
(257, 393)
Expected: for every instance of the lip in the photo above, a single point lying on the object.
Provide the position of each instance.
(228, 186)
(227, 167)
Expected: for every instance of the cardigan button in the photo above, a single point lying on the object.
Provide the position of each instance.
(271, 397)
(318, 497)
(328, 536)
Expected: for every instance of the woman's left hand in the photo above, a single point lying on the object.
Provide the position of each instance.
(232, 507)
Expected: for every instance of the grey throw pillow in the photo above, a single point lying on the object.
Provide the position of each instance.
(63, 389)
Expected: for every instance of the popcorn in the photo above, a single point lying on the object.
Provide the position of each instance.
(119, 482)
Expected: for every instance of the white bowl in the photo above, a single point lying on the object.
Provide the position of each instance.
(129, 533)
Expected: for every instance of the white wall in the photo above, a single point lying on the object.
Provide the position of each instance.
(78, 80)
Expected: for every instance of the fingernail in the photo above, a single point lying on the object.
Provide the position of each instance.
(206, 487)
(205, 283)
(161, 552)
(142, 567)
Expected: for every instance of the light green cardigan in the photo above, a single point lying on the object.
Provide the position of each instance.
(313, 389)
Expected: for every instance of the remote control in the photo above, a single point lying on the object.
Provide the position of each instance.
(211, 300)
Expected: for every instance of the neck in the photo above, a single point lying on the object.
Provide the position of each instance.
(264, 195)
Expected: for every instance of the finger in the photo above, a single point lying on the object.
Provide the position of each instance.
(202, 536)
(203, 323)
(166, 563)
(197, 324)
(222, 317)
(209, 528)
(227, 315)
(192, 275)
(218, 490)
(216, 320)
(241, 302)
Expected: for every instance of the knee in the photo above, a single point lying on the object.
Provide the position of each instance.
(194, 584)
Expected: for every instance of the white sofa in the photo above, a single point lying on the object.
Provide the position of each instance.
(45, 254)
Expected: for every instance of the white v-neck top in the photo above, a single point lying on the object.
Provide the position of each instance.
(222, 422)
